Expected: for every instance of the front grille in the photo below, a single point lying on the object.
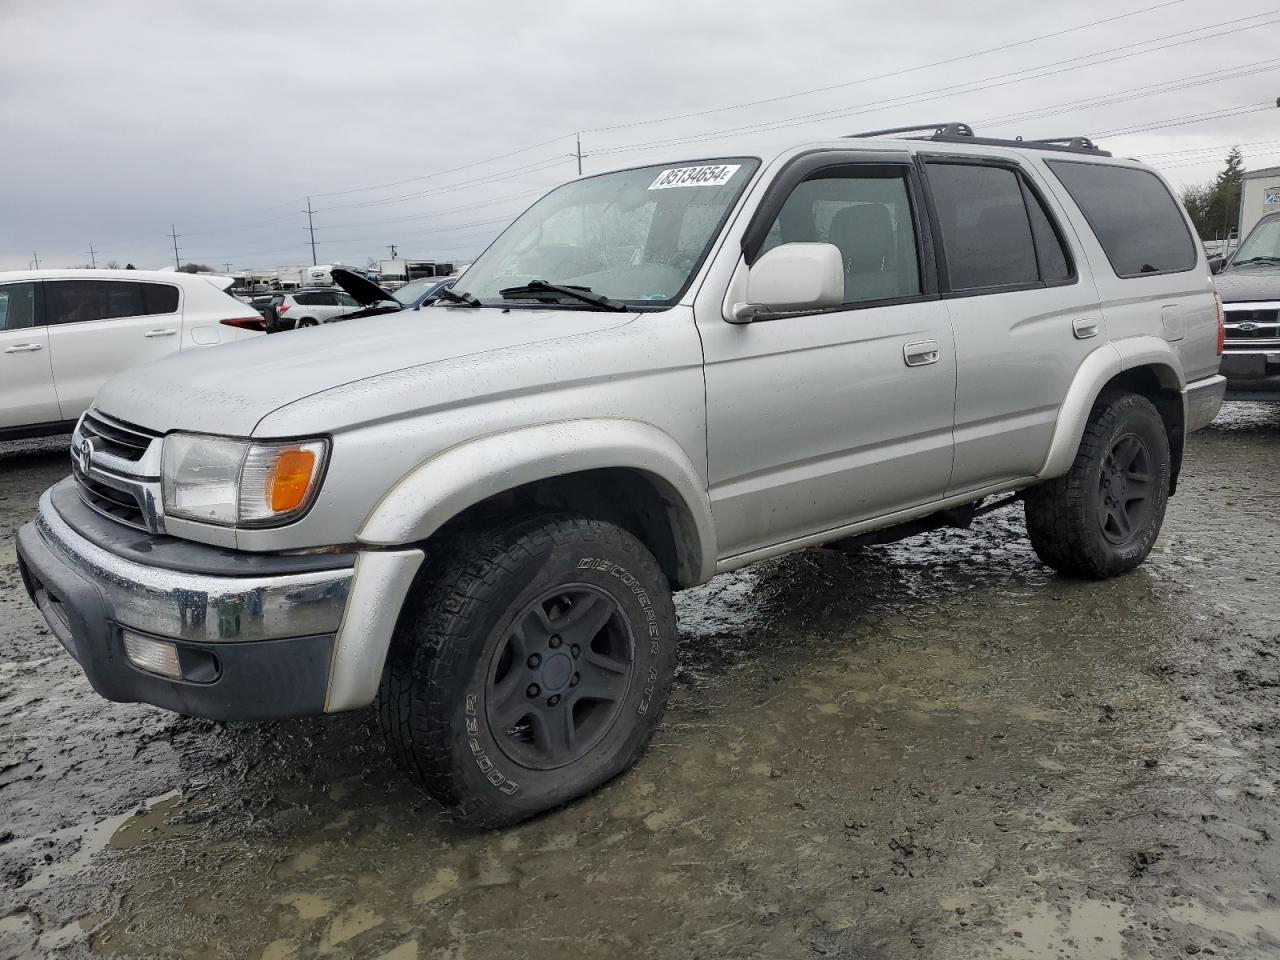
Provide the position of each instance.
(1250, 329)
(110, 502)
(115, 437)
(116, 470)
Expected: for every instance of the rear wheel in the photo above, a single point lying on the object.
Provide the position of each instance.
(1102, 518)
(306, 322)
(529, 667)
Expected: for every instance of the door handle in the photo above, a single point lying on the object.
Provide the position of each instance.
(160, 333)
(24, 348)
(1084, 328)
(921, 353)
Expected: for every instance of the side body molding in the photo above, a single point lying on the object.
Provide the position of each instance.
(463, 475)
(1099, 367)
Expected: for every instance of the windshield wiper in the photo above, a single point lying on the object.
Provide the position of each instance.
(582, 294)
(459, 296)
(1257, 260)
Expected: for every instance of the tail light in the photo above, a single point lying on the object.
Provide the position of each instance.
(1222, 325)
(245, 323)
(283, 308)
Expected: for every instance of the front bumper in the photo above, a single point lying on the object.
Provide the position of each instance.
(257, 636)
(1252, 375)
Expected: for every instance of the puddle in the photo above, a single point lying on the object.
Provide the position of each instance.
(119, 832)
(1254, 926)
(1089, 930)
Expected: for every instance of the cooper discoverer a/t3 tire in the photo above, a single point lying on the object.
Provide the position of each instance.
(531, 664)
(1102, 518)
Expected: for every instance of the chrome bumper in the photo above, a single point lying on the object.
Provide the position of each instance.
(200, 609)
(1204, 400)
(276, 642)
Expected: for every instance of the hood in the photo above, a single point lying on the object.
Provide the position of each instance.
(228, 389)
(1248, 283)
(364, 292)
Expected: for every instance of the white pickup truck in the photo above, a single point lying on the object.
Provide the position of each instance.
(474, 514)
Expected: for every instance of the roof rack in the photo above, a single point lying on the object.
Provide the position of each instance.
(955, 132)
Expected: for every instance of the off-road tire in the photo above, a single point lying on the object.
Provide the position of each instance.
(439, 685)
(1065, 516)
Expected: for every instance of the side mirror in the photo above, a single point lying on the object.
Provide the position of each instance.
(793, 276)
(1216, 264)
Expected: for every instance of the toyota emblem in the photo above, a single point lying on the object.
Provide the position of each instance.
(82, 454)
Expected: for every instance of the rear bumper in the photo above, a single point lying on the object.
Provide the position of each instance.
(1203, 401)
(266, 642)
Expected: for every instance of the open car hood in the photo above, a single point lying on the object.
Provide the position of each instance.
(365, 292)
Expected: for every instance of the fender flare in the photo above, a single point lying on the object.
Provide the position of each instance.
(461, 476)
(1097, 370)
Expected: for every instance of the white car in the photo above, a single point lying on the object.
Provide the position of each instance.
(63, 333)
(312, 306)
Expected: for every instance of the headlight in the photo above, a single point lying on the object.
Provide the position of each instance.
(240, 482)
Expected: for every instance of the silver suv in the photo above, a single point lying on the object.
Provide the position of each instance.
(475, 520)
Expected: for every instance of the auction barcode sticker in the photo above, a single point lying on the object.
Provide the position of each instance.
(715, 175)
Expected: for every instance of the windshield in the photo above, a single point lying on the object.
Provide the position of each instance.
(633, 235)
(410, 292)
(1263, 243)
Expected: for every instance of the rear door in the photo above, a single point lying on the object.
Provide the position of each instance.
(99, 327)
(27, 396)
(1024, 316)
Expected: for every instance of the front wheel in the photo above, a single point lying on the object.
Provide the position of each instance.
(530, 666)
(1102, 518)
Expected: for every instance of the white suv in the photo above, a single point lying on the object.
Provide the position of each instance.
(312, 306)
(63, 333)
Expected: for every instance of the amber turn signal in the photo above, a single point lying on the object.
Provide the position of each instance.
(290, 479)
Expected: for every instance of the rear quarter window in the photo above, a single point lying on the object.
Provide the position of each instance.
(1137, 221)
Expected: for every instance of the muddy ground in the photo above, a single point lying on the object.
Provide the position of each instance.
(934, 749)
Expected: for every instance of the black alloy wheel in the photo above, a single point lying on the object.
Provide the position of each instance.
(559, 680)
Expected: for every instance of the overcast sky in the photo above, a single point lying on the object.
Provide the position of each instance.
(220, 117)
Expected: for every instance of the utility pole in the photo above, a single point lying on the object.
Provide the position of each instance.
(173, 232)
(311, 227)
(577, 138)
(228, 266)
(36, 257)
(93, 261)
(392, 248)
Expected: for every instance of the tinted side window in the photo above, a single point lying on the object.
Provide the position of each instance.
(305, 299)
(78, 301)
(866, 213)
(1133, 215)
(17, 306)
(1054, 265)
(986, 233)
(159, 297)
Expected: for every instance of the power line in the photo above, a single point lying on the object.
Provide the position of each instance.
(884, 76)
(1137, 93)
(1190, 118)
(441, 173)
(926, 96)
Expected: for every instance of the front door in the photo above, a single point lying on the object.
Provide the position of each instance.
(27, 396)
(818, 420)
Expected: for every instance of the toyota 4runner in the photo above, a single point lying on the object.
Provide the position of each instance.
(474, 515)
